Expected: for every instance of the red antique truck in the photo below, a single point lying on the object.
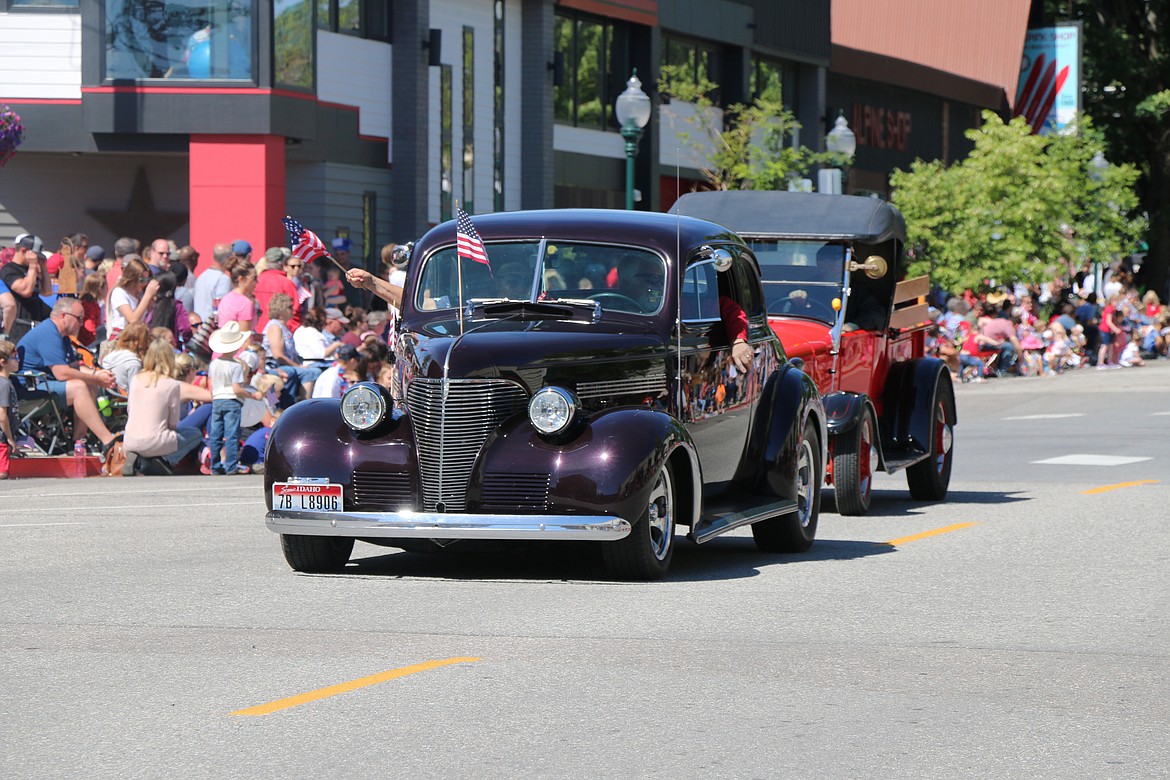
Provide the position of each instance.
(832, 275)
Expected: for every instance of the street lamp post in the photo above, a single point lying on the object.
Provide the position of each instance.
(1097, 168)
(840, 140)
(633, 112)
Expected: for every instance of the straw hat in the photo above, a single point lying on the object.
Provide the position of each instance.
(997, 297)
(228, 338)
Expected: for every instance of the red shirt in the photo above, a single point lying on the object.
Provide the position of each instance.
(90, 322)
(270, 283)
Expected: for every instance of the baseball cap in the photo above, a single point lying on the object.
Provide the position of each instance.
(96, 253)
(333, 313)
(28, 241)
(241, 247)
(346, 352)
(276, 254)
(341, 244)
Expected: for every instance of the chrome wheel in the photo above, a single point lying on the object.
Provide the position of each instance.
(807, 480)
(943, 439)
(646, 552)
(660, 516)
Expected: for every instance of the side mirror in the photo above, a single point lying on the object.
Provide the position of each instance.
(721, 257)
(723, 260)
(875, 266)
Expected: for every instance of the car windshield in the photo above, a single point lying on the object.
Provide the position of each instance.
(801, 278)
(620, 278)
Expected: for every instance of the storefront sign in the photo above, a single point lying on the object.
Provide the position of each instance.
(1049, 95)
(881, 128)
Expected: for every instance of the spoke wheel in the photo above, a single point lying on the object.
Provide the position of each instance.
(795, 531)
(645, 554)
(929, 479)
(855, 459)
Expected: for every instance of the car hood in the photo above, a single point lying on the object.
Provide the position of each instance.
(533, 353)
(802, 338)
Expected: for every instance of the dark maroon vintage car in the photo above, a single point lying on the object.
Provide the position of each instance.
(581, 386)
(832, 269)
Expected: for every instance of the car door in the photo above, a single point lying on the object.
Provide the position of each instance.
(718, 399)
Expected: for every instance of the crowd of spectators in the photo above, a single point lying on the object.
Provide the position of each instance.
(177, 369)
(1046, 330)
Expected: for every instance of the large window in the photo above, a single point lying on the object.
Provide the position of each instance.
(698, 62)
(292, 24)
(584, 47)
(180, 39)
(469, 119)
(364, 18)
(773, 75)
(498, 108)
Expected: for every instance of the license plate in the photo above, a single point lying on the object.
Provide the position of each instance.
(306, 497)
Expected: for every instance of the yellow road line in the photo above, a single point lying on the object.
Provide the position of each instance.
(345, 687)
(1107, 488)
(927, 534)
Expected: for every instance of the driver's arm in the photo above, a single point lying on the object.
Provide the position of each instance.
(735, 322)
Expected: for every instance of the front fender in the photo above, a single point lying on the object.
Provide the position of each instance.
(843, 410)
(789, 400)
(608, 466)
(310, 439)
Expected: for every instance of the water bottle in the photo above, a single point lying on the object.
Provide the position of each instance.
(79, 458)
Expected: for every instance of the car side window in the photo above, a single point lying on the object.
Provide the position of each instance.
(700, 293)
(747, 292)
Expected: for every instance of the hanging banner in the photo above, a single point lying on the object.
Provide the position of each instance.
(1049, 93)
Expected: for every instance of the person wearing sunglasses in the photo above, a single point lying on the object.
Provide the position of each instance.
(275, 279)
(47, 348)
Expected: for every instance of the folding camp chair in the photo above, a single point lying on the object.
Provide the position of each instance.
(41, 418)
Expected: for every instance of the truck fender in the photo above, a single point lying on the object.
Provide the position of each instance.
(843, 412)
(789, 400)
(909, 402)
(608, 463)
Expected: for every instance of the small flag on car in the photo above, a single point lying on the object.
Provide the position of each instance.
(469, 244)
(304, 242)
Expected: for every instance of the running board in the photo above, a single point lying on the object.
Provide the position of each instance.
(717, 523)
(896, 460)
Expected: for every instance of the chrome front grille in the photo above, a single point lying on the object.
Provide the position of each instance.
(451, 430)
(382, 491)
(508, 492)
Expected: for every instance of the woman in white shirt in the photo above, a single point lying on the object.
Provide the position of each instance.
(310, 341)
(132, 298)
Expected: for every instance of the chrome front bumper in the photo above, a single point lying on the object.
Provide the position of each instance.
(426, 525)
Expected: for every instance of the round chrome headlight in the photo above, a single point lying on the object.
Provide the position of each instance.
(552, 409)
(364, 406)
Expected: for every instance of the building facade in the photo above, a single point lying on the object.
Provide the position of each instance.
(206, 120)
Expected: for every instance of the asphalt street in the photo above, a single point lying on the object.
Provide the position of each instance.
(149, 627)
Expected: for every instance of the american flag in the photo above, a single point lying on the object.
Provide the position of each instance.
(470, 245)
(304, 242)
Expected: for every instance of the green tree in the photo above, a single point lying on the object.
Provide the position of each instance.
(1126, 90)
(1013, 207)
(746, 146)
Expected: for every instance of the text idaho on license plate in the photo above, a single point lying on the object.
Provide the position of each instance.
(308, 498)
